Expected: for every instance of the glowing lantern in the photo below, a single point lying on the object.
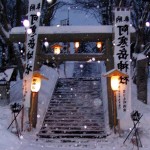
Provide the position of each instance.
(56, 48)
(115, 83)
(99, 44)
(35, 84)
(76, 45)
(36, 81)
(115, 74)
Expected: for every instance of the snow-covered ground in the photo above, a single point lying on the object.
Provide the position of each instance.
(29, 141)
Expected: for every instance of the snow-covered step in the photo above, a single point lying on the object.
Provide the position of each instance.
(71, 113)
(77, 128)
(73, 124)
(53, 136)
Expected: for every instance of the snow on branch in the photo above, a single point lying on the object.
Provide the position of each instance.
(3, 32)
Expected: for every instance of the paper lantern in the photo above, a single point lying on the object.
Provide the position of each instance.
(99, 44)
(35, 84)
(76, 44)
(57, 48)
(115, 83)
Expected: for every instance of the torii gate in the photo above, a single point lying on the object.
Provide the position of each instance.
(73, 34)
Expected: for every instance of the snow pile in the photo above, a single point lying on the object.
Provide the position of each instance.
(10, 141)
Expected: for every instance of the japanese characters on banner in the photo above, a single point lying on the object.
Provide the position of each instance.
(122, 59)
(31, 43)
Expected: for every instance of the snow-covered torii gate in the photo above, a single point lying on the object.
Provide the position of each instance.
(71, 34)
(67, 34)
(74, 34)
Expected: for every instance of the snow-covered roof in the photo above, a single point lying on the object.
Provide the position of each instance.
(141, 56)
(6, 75)
(114, 72)
(67, 33)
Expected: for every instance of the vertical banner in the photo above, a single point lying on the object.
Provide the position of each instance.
(122, 59)
(31, 44)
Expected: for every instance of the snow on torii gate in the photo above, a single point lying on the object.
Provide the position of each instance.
(66, 34)
(73, 34)
(69, 34)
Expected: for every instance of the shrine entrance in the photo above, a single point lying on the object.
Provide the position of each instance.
(74, 34)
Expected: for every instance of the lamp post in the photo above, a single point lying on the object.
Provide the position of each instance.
(115, 88)
(35, 87)
(115, 74)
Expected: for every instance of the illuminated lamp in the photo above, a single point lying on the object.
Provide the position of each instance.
(56, 48)
(36, 81)
(76, 45)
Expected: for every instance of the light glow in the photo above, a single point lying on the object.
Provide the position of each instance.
(76, 44)
(46, 44)
(56, 50)
(35, 84)
(29, 31)
(99, 44)
(147, 24)
(115, 83)
(26, 23)
(49, 1)
(38, 14)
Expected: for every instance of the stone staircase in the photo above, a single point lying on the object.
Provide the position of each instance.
(75, 110)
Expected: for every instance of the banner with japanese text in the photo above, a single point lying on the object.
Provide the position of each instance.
(31, 43)
(122, 59)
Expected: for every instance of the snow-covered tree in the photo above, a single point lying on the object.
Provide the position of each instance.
(9, 17)
(140, 15)
(12, 13)
(102, 11)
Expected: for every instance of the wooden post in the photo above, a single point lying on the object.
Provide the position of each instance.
(34, 95)
(115, 112)
(109, 66)
(33, 109)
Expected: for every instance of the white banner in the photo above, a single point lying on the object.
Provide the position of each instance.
(122, 59)
(31, 44)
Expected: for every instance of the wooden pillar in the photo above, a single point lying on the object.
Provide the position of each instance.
(33, 109)
(109, 66)
(34, 95)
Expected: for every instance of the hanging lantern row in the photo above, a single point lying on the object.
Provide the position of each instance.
(77, 44)
(57, 47)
